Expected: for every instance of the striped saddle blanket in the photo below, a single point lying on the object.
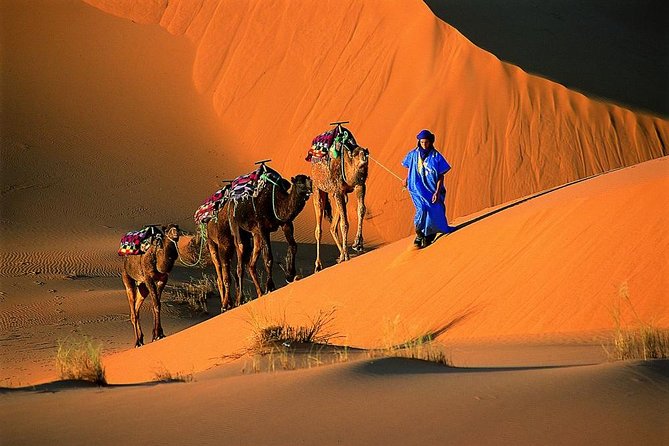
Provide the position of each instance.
(322, 146)
(209, 209)
(242, 187)
(138, 242)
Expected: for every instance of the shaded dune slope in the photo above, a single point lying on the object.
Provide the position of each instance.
(278, 73)
(618, 51)
(624, 403)
(577, 250)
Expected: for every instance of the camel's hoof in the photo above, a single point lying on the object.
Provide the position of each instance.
(318, 268)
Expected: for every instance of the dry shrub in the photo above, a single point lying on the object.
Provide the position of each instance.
(267, 332)
(164, 375)
(80, 359)
(642, 340)
(194, 293)
(274, 343)
(422, 347)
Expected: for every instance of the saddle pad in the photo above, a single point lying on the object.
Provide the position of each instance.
(322, 146)
(251, 184)
(138, 242)
(211, 206)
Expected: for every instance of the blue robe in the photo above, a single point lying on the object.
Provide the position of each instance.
(430, 217)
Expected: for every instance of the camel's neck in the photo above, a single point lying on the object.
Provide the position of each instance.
(288, 205)
(166, 256)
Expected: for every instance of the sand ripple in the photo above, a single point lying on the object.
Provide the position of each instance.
(93, 263)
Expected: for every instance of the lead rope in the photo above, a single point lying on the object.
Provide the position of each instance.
(388, 170)
(267, 178)
(203, 238)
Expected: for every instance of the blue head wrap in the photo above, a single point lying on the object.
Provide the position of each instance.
(425, 134)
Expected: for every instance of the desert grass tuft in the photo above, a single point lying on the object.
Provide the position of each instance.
(642, 340)
(422, 347)
(194, 293)
(80, 359)
(165, 376)
(268, 332)
(274, 343)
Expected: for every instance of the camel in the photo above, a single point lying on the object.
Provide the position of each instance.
(148, 274)
(276, 206)
(335, 178)
(222, 250)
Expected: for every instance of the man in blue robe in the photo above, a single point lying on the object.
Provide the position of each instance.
(425, 182)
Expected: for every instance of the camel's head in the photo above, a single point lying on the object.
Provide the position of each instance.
(359, 157)
(172, 232)
(302, 186)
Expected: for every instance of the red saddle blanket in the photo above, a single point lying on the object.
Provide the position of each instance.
(210, 207)
(138, 242)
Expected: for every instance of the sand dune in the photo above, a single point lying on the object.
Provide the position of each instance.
(391, 70)
(110, 123)
(617, 51)
(575, 248)
(391, 401)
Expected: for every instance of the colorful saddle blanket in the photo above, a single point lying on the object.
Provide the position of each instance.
(138, 242)
(211, 206)
(322, 146)
(251, 184)
(242, 187)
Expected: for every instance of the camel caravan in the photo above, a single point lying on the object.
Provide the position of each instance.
(236, 221)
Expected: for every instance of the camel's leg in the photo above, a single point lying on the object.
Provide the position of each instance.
(155, 306)
(292, 250)
(334, 227)
(239, 248)
(340, 204)
(318, 209)
(269, 262)
(253, 272)
(131, 292)
(360, 195)
(225, 253)
(216, 260)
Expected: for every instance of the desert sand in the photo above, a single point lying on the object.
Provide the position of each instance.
(117, 114)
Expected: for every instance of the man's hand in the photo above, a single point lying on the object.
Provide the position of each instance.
(435, 197)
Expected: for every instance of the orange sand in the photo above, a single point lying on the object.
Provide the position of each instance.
(111, 123)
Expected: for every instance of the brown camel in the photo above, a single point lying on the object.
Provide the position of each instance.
(221, 246)
(335, 178)
(148, 274)
(275, 206)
